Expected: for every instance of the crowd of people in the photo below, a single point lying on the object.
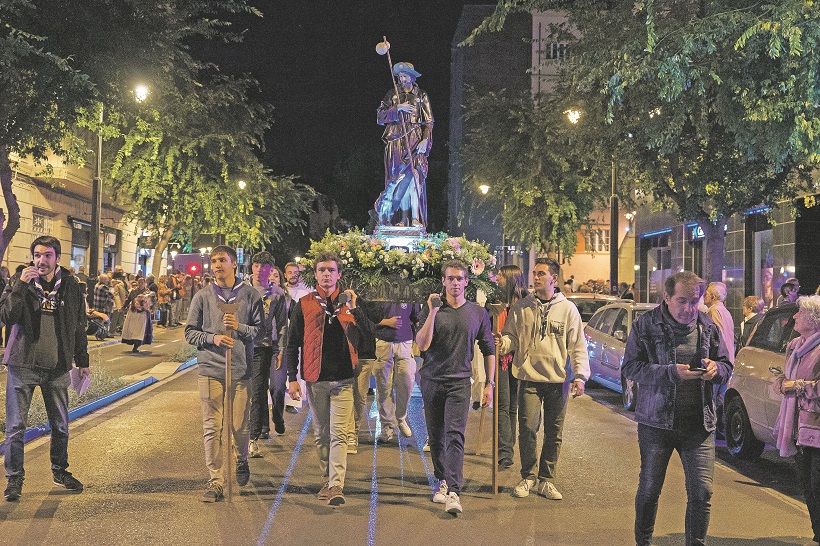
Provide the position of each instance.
(324, 343)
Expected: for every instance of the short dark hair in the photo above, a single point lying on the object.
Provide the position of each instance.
(327, 257)
(551, 264)
(263, 258)
(785, 288)
(685, 277)
(455, 264)
(48, 241)
(225, 249)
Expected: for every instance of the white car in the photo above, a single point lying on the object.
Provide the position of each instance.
(606, 334)
(751, 403)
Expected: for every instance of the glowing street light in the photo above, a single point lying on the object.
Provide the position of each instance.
(484, 188)
(242, 184)
(141, 92)
(573, 115)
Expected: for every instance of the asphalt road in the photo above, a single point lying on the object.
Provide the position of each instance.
(141, 460)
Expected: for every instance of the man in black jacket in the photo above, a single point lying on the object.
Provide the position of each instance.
(45, 311)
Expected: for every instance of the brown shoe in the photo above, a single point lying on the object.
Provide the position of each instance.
(336, 497)
(324, 492)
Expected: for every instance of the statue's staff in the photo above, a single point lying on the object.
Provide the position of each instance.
(383, 48)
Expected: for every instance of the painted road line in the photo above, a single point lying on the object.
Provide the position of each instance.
(263, 536)
(113, 359)
(158, 345)
(374, 484)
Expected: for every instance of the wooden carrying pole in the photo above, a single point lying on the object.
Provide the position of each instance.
(227, 413)
(497, 309)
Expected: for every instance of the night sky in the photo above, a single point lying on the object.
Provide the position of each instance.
(316, 63)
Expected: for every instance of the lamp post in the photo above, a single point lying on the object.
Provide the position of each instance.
(574, 116)
(141, 93)
(613, 236)
(96, 206)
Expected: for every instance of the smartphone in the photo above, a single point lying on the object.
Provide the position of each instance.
(436, 301)
(699, 367)
(343, 298)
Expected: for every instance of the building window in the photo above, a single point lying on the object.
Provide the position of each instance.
(555, 51)
(597, 240)
(41, 224)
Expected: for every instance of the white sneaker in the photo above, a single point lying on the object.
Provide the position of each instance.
(523, 488)
(253, 450)
(426, 447)
(440, 493)
(548, 490)
(405, 429)
(453, 504)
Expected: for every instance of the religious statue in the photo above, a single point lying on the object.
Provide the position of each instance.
(408, 136)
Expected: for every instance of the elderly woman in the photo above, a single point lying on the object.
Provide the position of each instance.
(798, 423)
(137, 329)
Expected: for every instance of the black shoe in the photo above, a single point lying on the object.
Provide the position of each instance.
(291, 409)
(243, 473)
(504, 464)
(265, 435)
(64, 478)
(14, 489)
(279, 428)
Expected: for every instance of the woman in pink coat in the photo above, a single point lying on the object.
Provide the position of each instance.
(798, 423)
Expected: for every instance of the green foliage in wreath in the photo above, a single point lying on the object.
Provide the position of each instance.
(368, 264)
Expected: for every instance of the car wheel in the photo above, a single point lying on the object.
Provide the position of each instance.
(629, 390)
(740, 440)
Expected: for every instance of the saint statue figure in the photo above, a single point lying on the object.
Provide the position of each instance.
(408, 137)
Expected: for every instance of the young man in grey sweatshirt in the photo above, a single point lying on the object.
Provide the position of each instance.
(546, 336)
(213, 332)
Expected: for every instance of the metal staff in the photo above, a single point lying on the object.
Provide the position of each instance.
(383, 48)
(227, 412)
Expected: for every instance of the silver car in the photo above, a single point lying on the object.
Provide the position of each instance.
(606, 334)
(589, 302)
(751, 403)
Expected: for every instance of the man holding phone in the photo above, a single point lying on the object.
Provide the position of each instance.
(446, 339)
(45, 311)
(676, 355)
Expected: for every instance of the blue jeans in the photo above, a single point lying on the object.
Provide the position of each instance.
(260, 376)
(278, 387)
(507, 413)
(697, 453)
(20, 384)
(446, 405)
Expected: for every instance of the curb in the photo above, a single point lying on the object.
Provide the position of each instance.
(37, 431)
(103, 344)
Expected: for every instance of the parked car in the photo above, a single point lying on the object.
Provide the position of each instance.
(751, 403)
(606, 334)
(588, 302)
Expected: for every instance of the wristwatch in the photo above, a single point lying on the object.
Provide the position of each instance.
(491, 383)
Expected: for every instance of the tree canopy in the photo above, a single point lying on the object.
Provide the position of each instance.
(715, 101)
(175, 159)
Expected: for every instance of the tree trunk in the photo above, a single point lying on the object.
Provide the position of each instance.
(714, 243)
(162, 244)
(12, 221)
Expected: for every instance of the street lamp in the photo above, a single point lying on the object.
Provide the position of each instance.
(242, 184)
(141, 92)
(574, 116)
(484, 188)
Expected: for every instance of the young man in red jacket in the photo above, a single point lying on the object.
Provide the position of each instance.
(328, 331)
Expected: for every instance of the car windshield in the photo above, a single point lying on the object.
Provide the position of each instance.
(775, 329)
(587, 308)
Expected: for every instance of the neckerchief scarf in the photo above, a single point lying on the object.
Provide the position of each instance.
(50, 298)
(234, 291)
(322, 302)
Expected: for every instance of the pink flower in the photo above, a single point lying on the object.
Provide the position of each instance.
(477, 267)
(454, 243)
